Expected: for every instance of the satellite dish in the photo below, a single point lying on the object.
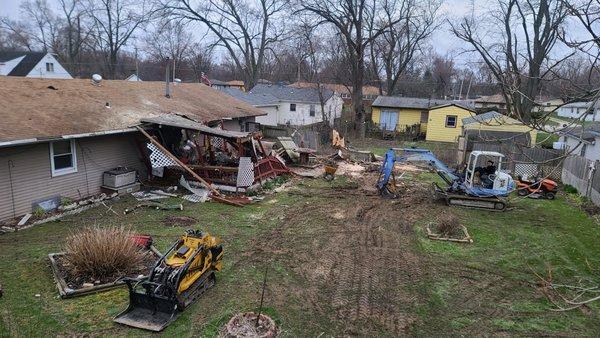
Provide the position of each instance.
(96, 79)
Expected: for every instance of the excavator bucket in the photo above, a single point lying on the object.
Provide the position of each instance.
(148, 312)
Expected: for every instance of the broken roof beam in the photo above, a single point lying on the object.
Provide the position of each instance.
(216, 194)
(184, 123)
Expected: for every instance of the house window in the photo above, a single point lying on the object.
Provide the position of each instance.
(50, 67)
(63, 157)
(312, 110)
(292, 107)
(424, 116)
(451, 121)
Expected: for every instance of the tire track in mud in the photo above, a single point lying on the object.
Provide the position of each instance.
(359, 267)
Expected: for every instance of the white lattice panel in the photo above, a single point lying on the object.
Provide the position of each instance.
(158, 159)
(527, 170)
(217, 142)
(245, 176)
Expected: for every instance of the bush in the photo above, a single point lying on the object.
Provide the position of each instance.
(570, 189)
(448, 225)
(98, 253)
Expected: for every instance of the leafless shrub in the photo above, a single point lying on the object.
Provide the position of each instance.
(448, 225)
(101, 252)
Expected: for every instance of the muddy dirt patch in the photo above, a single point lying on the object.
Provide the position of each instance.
(360, 267)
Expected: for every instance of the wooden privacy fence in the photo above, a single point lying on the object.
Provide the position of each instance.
(524, 161)
(583, 175)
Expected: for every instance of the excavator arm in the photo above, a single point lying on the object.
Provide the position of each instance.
(414, 155)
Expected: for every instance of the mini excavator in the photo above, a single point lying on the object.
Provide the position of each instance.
(462, 189)
(178, 278)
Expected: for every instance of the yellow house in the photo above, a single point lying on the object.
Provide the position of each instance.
(495, 126)
(445, 122)
(396, 113)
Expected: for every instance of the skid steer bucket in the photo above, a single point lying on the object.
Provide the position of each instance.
(146, 311)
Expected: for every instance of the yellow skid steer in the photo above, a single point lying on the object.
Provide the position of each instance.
(178, 278)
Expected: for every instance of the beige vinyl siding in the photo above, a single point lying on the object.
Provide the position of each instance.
(32, 175)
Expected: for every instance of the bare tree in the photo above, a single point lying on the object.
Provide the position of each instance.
(246, 30)
(393, 51)
(114, 23)
(358, 23)
(587, 13)
(518, 48)
(74, 32)
(200, 59)
(172, 40)
(16, 34)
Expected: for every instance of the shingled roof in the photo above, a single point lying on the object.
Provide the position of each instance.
(291, 94)
(51, 108)
(26, 65)
(413, 102)
(255, 99)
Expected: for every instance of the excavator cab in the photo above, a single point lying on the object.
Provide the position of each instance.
(484, 172)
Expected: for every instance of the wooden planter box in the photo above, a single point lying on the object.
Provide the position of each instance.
(66, 292)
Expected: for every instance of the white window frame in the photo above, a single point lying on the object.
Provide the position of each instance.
(64, 171)
(312, 110)
(295, 107)
(50, 67)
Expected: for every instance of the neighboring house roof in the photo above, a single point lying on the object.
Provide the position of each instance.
(26, 65)
(338, 88)
(582, 104)
(486, 118)
(496, 98)
(238, 83)
(217, 82)
(412, 102)
(588, 133)
(462, 105)
(255, 99)
(291, 94)
(133, 77)
(50, 108)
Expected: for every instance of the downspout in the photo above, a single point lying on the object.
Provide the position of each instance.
(12, 192)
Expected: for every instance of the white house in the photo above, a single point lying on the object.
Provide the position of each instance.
(32, 64)
(286, 105)
(580, 110)
(583, 141)
(133, 78)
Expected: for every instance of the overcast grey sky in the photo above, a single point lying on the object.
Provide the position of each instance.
(443, 41)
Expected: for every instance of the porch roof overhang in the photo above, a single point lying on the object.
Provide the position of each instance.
(186, 123)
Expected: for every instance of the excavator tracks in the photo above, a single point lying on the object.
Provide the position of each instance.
(487, 203)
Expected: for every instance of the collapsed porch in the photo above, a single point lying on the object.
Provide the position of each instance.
(230, 160)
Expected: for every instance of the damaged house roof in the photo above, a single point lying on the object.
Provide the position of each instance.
(37, 109)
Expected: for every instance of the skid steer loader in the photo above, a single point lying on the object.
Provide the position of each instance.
(178, 278)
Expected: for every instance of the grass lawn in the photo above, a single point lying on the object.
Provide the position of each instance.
(342, 262)
(546, 140)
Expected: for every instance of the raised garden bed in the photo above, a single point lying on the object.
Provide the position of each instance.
(69, 286)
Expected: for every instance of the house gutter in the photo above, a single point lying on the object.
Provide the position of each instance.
(65, 137)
